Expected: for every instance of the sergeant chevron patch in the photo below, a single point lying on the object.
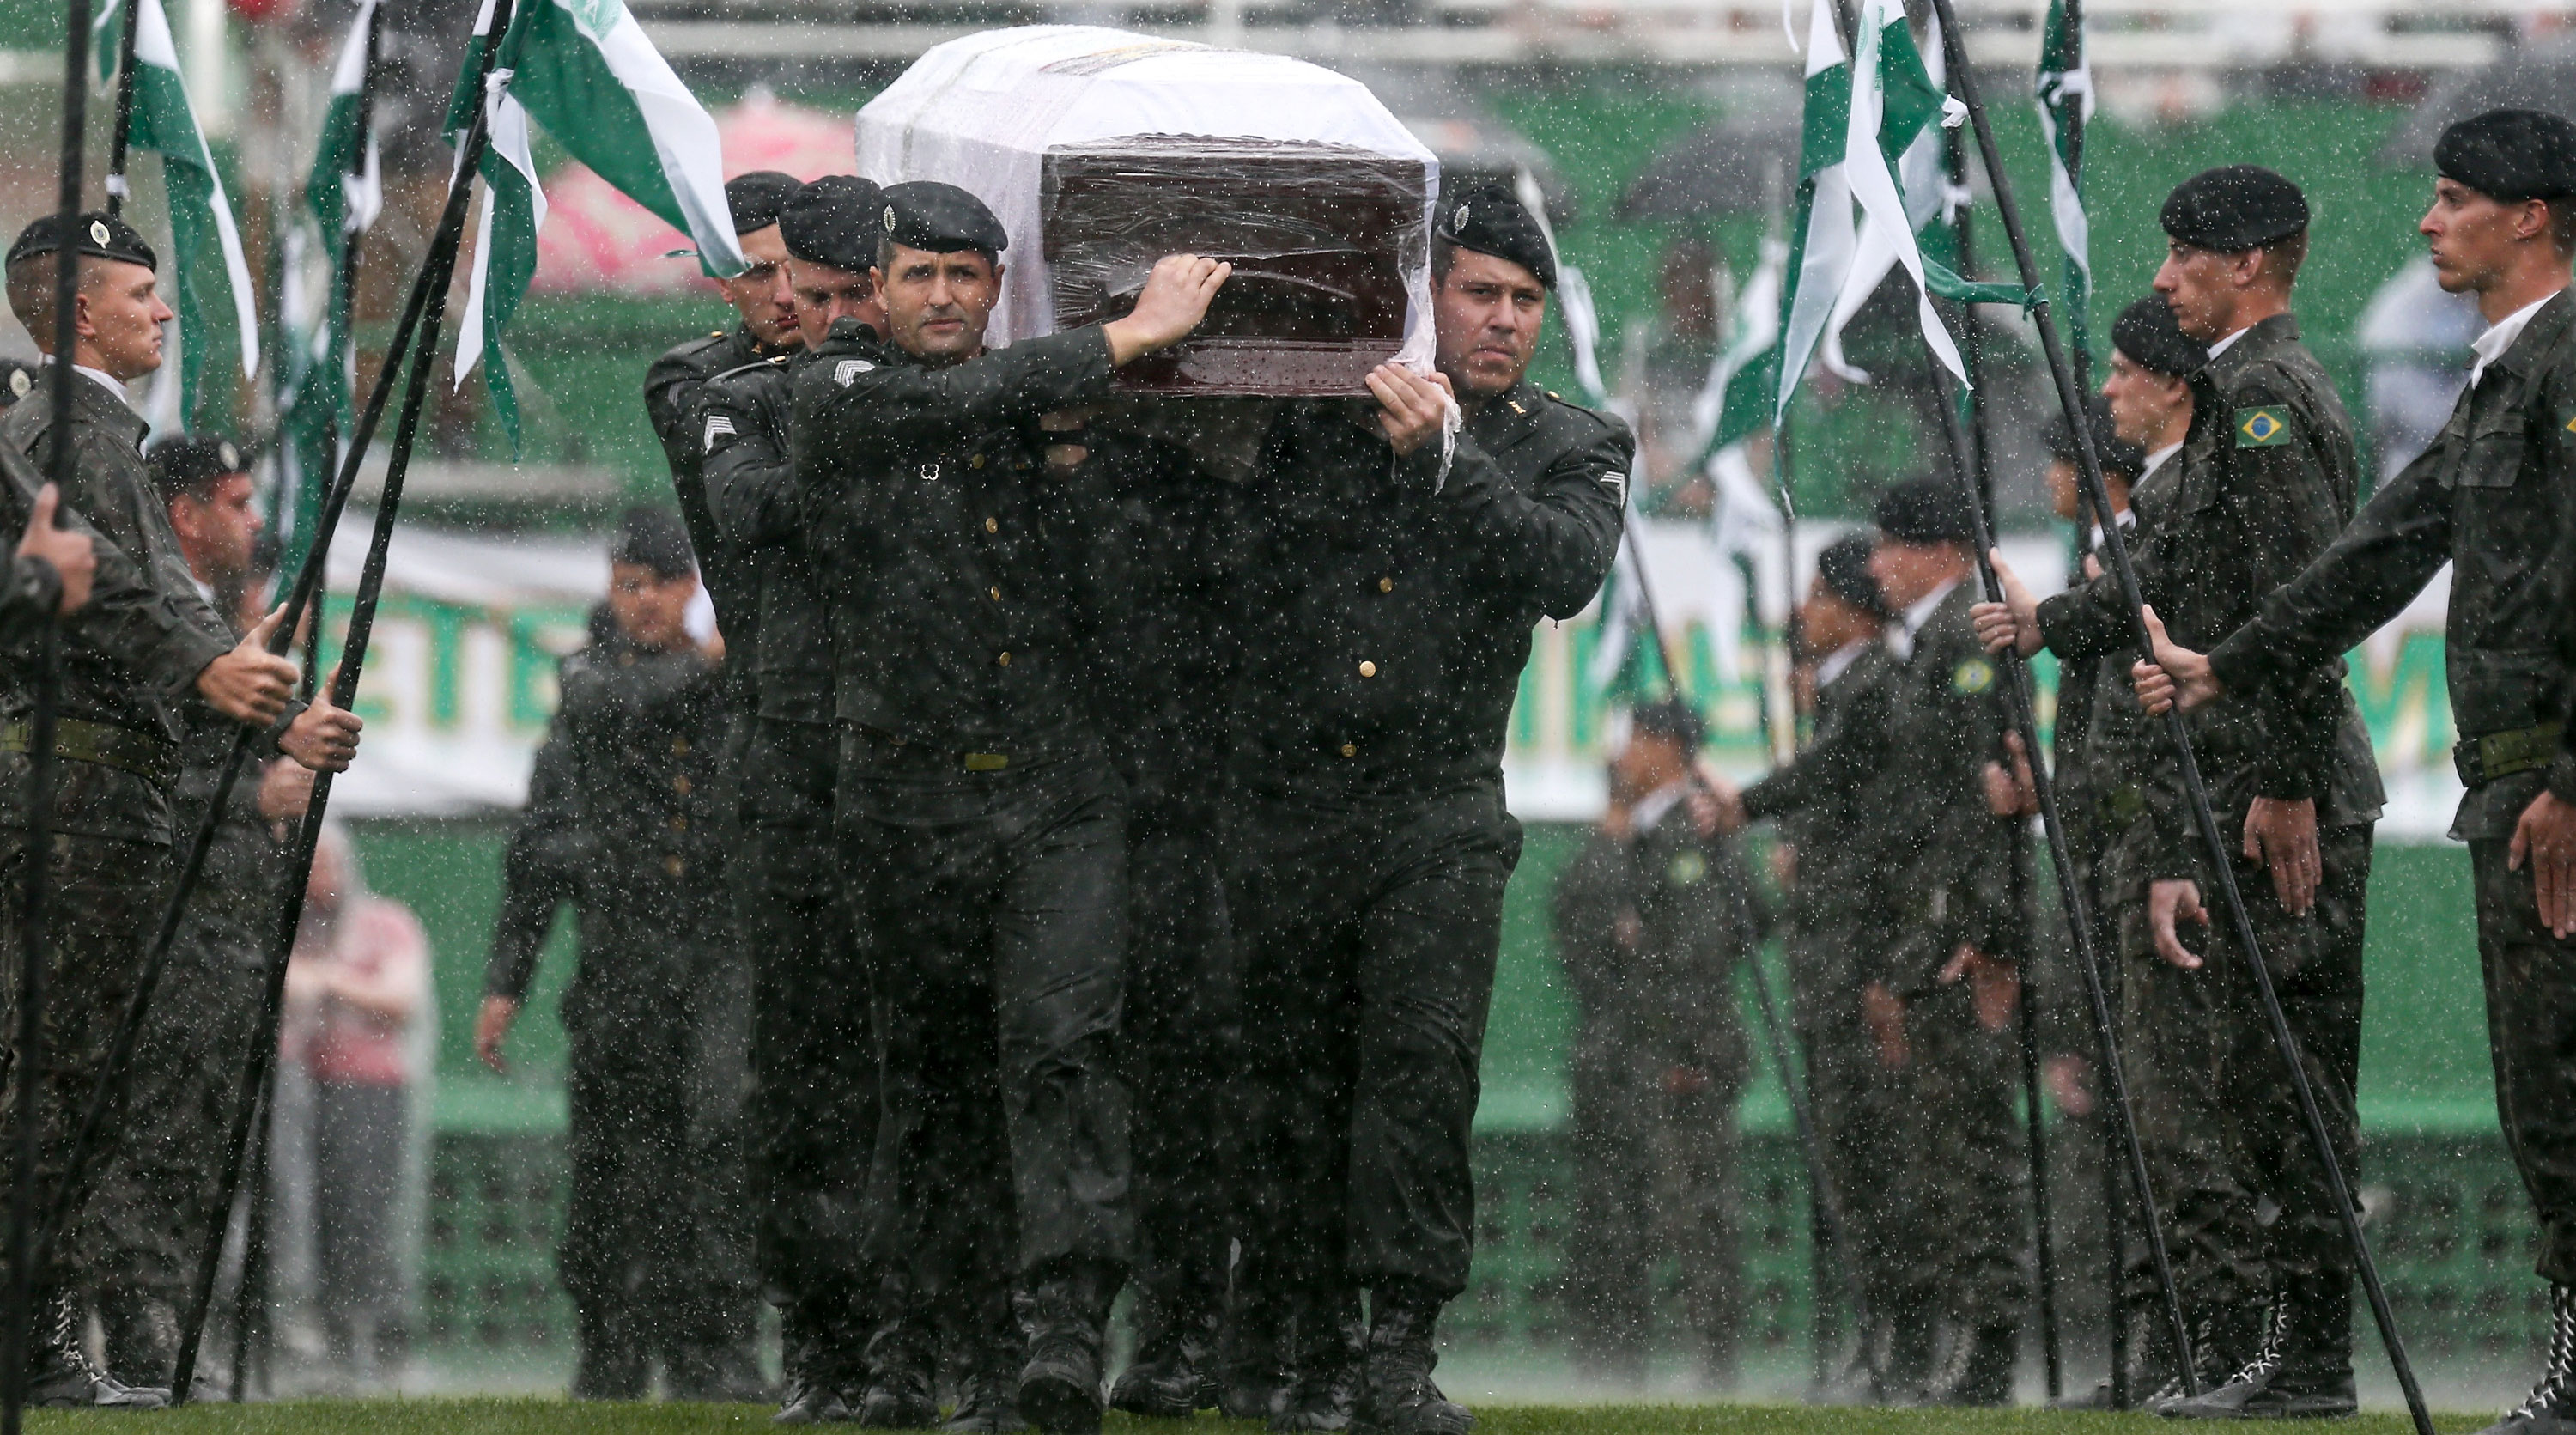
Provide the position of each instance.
(716, 424)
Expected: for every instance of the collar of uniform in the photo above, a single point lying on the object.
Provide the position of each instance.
(1507, 416)
(2524, 332)
(1910, 622)
(1839, 661)
(1654, 806)
(2253, 342)
(100, 401)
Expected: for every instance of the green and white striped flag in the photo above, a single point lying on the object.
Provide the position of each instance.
(584, 70)
(345, 189)
(1737, 399)
(1893, 102)
(2065, 102)
(205, 245)
(1820, 247)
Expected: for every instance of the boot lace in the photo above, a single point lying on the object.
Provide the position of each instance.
(2559, 1378)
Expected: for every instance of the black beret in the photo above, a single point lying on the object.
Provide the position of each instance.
(2147, 333)
(97, 234)
(654, 538)
(2512, 155)
(185, 462)
(755, 198)
(1492, 220)
(2234, 208)
(835, 220)
(925, 214)
(1672, 718)
(1844, 567)
(2118, 455)
(1926, 510)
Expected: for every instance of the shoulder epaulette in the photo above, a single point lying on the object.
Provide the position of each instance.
(770, 362)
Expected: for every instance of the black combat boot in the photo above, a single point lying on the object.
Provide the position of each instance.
(2227, 1399)
(988, 1401)
(1172, 1376)
(1060, 1386)
(2551, 1410)
(61, 1375)
(903, 1366)
(609, 1362)
(1904, 1357)
(811, 1396)
(142, 1335)
(2228, 1339)
(1249, 1374)
(1396, 1393)
(1975, 1367)
(1324, 1341)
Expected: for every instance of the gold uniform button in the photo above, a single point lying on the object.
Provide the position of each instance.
(1368, 670)
(992, 525)
(682, 785)
(674, 866)
(679, 747)
(1350, 749)
(1386, 585)
(679, 824)
(976, 462)
(1006, 660)
(997, 594)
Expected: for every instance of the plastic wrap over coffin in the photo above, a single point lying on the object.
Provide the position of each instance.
(1101, 150)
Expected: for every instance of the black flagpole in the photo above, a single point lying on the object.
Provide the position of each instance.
(124, 128)
(2090, 465)
(17, 1303)
(436, 272)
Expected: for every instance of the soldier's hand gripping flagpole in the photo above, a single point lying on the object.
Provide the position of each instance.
(2089, 466)
(28, 1064)
(430, 303)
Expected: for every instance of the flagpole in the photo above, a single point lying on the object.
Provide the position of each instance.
(124, 126)
(17, 1301)
(2090, 466)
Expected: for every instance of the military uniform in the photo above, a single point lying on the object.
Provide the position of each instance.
(1165, 657)
(624, 822)
(1838, 912)
(1387, 606)
(982, 825)
(1651, 926)
(2266, 477)
(2491, 497)
(672, 388)
(31, 592)
(128, 664)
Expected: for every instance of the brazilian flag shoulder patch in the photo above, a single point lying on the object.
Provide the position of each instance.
(2265, 427)
(1972, 677)
(1687, 868)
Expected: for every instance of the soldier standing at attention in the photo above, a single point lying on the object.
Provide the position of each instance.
(1837, 905)
(2264, 481)
(1651, 922)
(983, 828)
(1395, 571)
(130, 666)
(155, 1203)
(624, 822)
(2494, 498)
(813, 1054)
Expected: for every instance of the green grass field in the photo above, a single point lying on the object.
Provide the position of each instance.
(557, 1417)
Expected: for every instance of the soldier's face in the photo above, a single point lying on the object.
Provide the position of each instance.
(826, 295)
(938, 304)
(2146, 407)
(1648, 762)
(651, 610)
(2476, 239)
(218, 532)
(1907, 573)
(1486, 314)
(2203, 288)
(117, 316)
(760, 294)
(1829, 624)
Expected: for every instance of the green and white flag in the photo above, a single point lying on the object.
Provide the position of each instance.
(205, 245)
(1820, 247)
(345, 190)
(2065, 103)
(1737, 398)
(584, 70)
(1893, 102)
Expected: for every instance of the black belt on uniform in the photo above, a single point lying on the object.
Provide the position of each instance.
(2502, 754)
(140, 753)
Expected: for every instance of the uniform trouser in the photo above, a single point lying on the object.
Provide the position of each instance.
(813, 1110)
(1965, 1163)
(995, 911)
(1611, 1247)
(1700, 1210)
(1183, 1034)
(152, 1211)
(2531, 1029)
(2315, 964)
(1858, 1106)
(2169, 1043)
(1369, 927)
(102, 900)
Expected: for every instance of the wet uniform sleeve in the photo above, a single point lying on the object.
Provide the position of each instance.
(539, 870)
(1555, 542)
(126, 617)
(852, 405)
(2558, 421)
(1967, 845)
(30, 591)
(1844, 752)
(750, 487)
